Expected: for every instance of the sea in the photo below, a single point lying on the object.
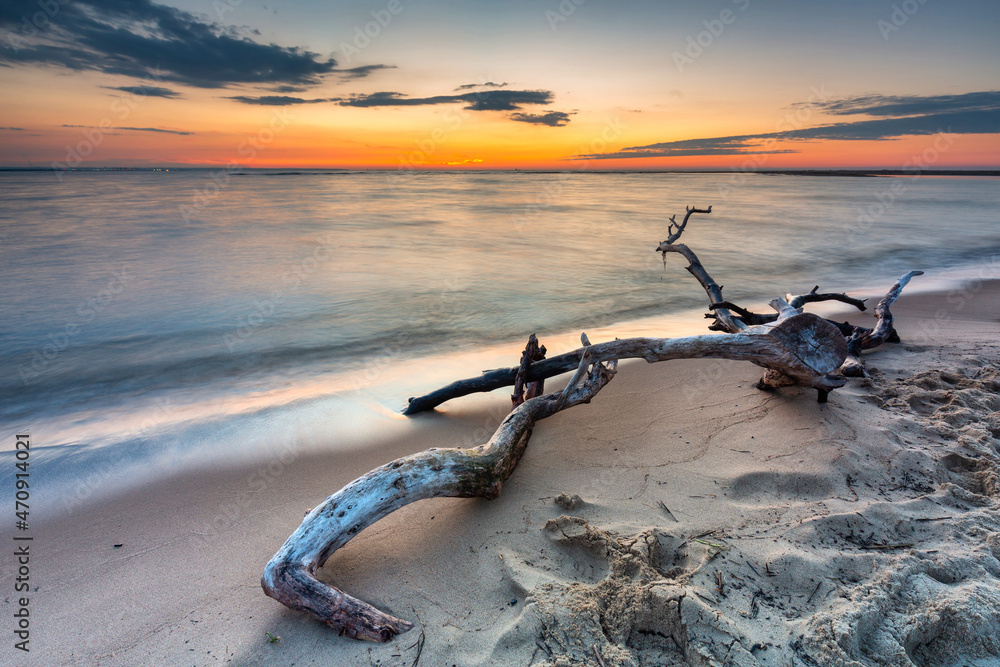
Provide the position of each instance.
(156, 322)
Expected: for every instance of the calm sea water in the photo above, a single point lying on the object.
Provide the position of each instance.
(154, 320)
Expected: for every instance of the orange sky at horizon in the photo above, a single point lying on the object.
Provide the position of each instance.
(334, 148)
(636, 88)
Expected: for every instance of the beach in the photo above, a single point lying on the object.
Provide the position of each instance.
(715, 524)
(247, 249)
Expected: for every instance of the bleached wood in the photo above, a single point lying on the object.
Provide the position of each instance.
(794, 347)
(754, 346)
(724, 319)
(867, 339)
(802, 347)
(290, 576)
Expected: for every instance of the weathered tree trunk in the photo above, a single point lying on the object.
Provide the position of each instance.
(290, 578)
(803, 346)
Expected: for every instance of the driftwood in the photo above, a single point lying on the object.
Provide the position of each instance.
(858, 338)
(794, 347)
(290, 578)
(524, 389)
(728, 318)
(800, 346)
(724, 321)
(804, 348)
(867, 339)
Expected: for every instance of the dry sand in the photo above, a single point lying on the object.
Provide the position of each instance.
(714, 524)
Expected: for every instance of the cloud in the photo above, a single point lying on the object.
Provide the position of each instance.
(361, 72)
(153, 129)
(897, 106)
(487, 100)
(147, 91)
(142, 39)
(488, 84)
(137, 129)
(740, 145)
(278, 100)
(552, 118)
(13, 129)
(971, 113)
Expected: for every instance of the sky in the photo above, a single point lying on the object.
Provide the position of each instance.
(546, 84)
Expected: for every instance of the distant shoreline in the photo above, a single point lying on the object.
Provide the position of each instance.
(335, 171)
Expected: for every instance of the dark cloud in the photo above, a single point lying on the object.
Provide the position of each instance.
(896, 106)
(487, 100)
(137, 129)
(973, 113)
(147, 91)
(278, 100)
(13, 129)
(142, 39)
(488, 84)
(552, 118)
(361, 72)
(740, 145)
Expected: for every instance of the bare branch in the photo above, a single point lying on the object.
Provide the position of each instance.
(581, 370)
(884, 327)
(724, 318)
(795, 348)
(783, 308)
(742, 312)
(813, 297)
(866, 339)
(674, 230)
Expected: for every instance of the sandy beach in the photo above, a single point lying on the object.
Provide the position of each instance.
(683, 517)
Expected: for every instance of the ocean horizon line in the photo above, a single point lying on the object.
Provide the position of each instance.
(811, 171)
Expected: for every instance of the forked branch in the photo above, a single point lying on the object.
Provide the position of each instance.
(724, 321)
(674, 230)
(796, 301)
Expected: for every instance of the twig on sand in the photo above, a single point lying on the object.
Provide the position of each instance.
(666, 509)
(600, 658)
(420, 642)
(887, 547)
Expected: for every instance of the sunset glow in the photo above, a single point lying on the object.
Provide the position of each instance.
(448, 85)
